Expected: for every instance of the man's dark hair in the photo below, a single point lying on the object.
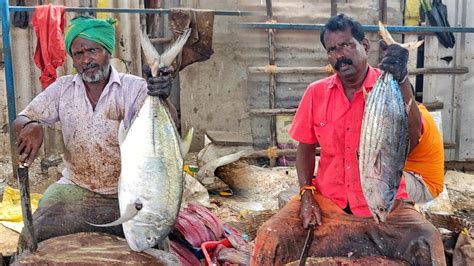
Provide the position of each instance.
(342, 22)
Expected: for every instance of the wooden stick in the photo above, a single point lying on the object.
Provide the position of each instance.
(323, 70)
(333, 7)
(279, 152)
(292, 111)
(272, 85)
(434, 106)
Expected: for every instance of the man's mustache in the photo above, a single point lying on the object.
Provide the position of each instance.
(91, 65)
(342, 61)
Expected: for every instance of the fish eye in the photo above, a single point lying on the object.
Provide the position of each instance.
(149, 239)
(381, 209)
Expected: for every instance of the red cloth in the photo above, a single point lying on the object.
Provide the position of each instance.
(48, 23)
(326, 116)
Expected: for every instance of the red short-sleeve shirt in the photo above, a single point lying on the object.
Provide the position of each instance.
(326, 116)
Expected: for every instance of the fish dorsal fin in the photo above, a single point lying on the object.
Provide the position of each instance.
(122, 133)
(186, 143)
(130, 211)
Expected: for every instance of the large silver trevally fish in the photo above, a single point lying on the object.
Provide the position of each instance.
(151, 179)
(384, 141)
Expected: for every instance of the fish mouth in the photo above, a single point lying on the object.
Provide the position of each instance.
(380, 215)
(136, 246)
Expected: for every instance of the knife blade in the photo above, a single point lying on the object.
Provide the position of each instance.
(22, 174)
(307, 244)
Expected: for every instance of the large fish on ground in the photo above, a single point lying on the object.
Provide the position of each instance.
(151, 179)
(384, 141)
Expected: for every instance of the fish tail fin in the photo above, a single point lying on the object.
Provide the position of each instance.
(186, 143)
(169, 55)
(152, 56)
(385, 34)
(387, 37)
(130, 212)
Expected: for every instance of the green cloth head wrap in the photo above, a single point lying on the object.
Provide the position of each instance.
(92, 29)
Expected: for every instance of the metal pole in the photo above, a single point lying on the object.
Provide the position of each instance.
(7, 53)
(391, 29)
(383, 19)
(135, 10)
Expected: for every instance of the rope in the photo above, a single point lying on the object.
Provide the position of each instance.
(272, 152)
(270, 69)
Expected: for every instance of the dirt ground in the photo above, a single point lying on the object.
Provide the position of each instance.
(39, 181)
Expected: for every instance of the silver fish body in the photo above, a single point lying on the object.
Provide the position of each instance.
(383, 146)
(151, 180)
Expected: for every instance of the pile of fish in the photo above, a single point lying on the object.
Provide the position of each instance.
(151, 179)
(384, 141)
(198, 225)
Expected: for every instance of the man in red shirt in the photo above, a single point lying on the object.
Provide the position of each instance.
(330, 114)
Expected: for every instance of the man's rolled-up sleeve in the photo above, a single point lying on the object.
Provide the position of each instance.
(45, 106)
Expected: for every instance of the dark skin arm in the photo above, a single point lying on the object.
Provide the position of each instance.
(29, 138)
(414, 115)
(305, 162)
(161, 86)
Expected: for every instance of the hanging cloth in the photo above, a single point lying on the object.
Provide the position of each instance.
(437, 14)
(20, 18)
(48, 23)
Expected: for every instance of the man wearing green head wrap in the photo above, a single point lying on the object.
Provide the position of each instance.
(89, 106)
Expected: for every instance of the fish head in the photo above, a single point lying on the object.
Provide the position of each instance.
(146, 230)
(142, 237)
(381, 201)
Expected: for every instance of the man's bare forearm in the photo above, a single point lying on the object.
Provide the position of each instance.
(414, 116)
(305, 162)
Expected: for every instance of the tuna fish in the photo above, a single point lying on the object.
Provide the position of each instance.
(384, 142)
(151, 179)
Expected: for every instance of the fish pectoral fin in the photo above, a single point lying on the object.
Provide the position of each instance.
(130, 212)
(365, 93)
(122, 133)
(186, 143)
(378, 164)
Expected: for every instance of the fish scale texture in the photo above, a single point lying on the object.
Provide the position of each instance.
(151, 174)
(383, 145)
